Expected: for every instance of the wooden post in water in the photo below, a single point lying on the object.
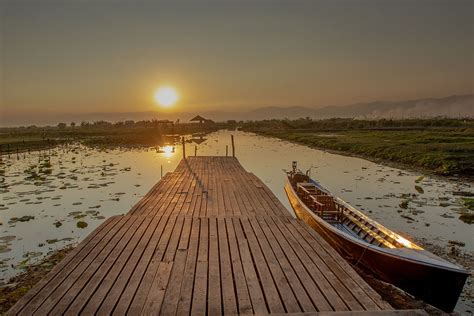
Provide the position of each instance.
(8, 150)
(161, 171)
(17, 154)
(233, 145)
(195, 150)
(226, 150)
(184, 147)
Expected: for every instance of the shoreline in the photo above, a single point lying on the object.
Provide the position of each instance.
(18, 285)
(387, 163)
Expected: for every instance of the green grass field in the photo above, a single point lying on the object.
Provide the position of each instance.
(447, 152)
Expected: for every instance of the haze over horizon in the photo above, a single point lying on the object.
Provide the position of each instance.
(110, 56)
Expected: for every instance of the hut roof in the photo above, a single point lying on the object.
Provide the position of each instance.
(198, 118)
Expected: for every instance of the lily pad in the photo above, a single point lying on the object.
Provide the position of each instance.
(419, 189)
(81, 224)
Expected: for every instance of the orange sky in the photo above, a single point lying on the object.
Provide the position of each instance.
(110, 57)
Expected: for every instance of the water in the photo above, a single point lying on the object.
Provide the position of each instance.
(87, 185)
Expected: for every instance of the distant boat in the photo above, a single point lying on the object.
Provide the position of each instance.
(367, 243)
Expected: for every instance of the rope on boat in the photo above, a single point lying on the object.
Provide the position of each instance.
(361, 256)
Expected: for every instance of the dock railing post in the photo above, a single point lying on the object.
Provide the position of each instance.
(161, 172)
(184, 147)
(226, 150)
(233, 145)
(195, 150)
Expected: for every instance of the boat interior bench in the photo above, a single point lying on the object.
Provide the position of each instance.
(321, 202)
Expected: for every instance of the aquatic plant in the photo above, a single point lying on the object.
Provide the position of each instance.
(81, 224)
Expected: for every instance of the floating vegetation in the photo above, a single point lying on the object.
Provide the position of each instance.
(468, 203)
(32, 254)
(419, 189)
(457, 243)
(74, 214)
(81, 224)
(5, 243)
(407, 217)
(57, 224)
(7, 238)
(404, 204)
(467, 218)
(419, 179)
(55, 240)
(25, 218)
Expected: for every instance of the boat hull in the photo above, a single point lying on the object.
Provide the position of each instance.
(438, 287)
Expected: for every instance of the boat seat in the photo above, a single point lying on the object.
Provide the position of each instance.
(305, 189)
(326, 207)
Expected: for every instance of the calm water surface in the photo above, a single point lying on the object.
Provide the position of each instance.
(64, 201)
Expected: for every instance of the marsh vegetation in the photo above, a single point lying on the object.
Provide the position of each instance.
(441, 146)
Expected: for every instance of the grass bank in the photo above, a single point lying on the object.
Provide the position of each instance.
(441, 150)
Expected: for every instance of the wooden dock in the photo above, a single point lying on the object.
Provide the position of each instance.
(209, 238)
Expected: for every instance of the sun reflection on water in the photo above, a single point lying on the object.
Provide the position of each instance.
(168, 151)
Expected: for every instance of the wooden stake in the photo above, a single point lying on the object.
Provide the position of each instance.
(226, 150)
(195, 150)
(184, 147)
(233, 145)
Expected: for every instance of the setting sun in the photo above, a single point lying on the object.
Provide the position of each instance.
(166, 96)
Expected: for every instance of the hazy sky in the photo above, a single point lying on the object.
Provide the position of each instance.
(106, 55)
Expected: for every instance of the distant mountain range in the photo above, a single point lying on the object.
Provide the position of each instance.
(452, 106)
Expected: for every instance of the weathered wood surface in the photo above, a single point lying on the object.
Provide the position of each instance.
(209, 238)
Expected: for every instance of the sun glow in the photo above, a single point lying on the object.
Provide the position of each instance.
(166, 96)
(167, 150)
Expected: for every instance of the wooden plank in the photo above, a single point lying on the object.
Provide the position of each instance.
(269, 289)
(322, 294)
(286, 295)
(156, 296)
(365, 295)
(176, 258)
(150, 273)
(199, 303)
(242, 288)
(100, 267)
(317, 267)
(99, 284)
(185, 290)
(67, 277)
(214, 287)
(112, 297)
(229, 301)
(138, 273)
(287, 267)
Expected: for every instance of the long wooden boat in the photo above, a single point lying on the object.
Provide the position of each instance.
(372, 246)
